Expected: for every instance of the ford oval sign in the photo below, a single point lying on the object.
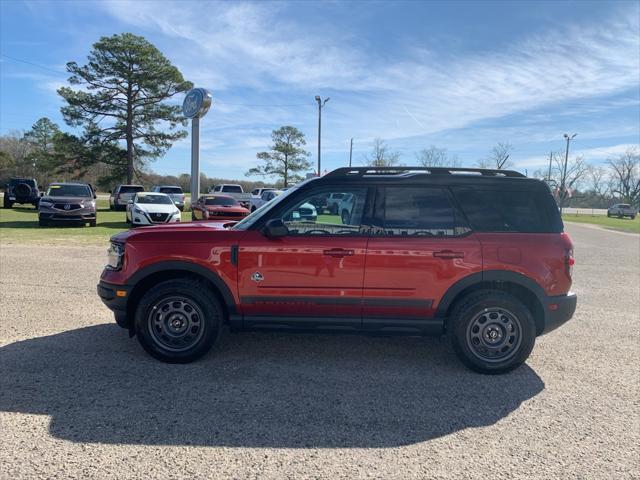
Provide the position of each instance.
(196, 104)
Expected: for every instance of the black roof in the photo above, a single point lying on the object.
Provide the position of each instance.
(432, 175)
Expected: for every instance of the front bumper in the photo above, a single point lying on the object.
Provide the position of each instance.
(79, 215)
(150, 219)
(558, 310)
(115, 297)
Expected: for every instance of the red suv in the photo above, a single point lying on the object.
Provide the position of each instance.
(477, 254)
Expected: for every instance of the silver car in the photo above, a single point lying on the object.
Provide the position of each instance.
(121, 196)
(622, 210)
(175, 192)
(68, 203)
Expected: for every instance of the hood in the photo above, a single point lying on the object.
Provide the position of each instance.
(156, 208)
(186, 227)
(54, 199)
(222, 208)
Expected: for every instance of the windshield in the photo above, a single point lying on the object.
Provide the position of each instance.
(226, 201)
(131, 188)
(170, 190)
(155, 199)
(69, 191)
(232, 188)
(252, 218)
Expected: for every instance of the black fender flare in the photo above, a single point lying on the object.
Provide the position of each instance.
(488, 276)
(188, 267)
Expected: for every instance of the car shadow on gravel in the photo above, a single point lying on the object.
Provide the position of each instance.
(255, 390)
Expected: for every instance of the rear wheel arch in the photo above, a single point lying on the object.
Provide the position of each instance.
(146, 278)
(516, 284)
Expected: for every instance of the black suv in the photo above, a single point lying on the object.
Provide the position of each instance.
(21, 190)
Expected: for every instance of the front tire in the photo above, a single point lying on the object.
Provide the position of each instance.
(178, 321)
(492, 332)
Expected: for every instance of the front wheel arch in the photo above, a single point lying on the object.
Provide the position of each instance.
(149, 281)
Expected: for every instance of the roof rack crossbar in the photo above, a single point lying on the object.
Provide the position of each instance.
(361, 171)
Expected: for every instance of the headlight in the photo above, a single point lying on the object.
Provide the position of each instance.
(137, 210)
(176, 213)
(115, 255)
(46, 204)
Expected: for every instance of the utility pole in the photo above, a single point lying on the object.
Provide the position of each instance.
(564, 170)
(320, 105)
(350, 152)
(549, 174)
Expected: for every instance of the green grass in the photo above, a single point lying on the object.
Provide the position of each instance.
(622, 224)
(20, 224)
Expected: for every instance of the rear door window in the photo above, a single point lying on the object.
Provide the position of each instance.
(131, 189)
(421, 211)
(493, 210)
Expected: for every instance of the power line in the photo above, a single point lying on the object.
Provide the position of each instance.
(33, 64)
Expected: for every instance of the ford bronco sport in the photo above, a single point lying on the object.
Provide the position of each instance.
(477, 254)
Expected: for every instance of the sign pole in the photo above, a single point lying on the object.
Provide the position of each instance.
(195, 159)
(195, 106)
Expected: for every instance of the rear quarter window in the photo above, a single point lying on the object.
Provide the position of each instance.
(509, 210)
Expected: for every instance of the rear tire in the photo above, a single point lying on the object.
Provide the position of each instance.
(492, 332)
(6, 202)
(178, 321)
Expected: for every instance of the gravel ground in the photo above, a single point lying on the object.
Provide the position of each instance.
(79, 399)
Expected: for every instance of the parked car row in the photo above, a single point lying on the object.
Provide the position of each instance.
(63, 202)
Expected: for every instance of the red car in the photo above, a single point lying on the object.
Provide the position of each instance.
(218, 207)
(477, 254)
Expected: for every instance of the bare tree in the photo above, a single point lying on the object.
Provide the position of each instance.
(381, 156)
(569, 177)
(598, 182)
(498, 158)
(625, 173)
(436, 157)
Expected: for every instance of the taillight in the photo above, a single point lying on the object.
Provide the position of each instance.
(569, 261)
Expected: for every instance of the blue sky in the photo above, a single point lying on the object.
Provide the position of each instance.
(459, 75)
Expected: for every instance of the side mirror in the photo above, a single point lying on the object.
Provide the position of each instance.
(42, 194)
(275, 228)
(95, 197)
(130, 202)
(109, 191)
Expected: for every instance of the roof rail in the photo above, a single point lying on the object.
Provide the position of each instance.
(362, 171)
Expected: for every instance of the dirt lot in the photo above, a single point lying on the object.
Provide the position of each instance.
(78, 398)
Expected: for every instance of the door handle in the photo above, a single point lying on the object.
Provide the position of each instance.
(338, 252)
(448, 254)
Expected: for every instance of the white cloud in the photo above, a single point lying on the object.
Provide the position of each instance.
(258, 47)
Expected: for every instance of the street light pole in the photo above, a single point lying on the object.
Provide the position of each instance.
(320, 105)
(564, 170)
